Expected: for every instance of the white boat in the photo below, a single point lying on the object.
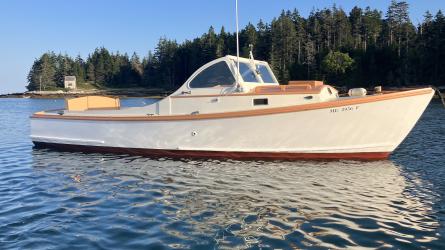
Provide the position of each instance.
(215, 115)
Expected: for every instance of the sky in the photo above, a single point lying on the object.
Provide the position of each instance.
(30, 28)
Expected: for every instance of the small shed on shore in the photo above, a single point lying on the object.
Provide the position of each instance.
(70, 82)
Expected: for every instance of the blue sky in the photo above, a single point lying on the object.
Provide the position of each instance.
(30, 28)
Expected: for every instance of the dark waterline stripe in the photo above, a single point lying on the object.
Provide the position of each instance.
(361, 156)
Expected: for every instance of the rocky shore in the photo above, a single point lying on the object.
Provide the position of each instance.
(131, 92)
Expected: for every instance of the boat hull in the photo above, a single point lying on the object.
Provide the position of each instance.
(357, 130)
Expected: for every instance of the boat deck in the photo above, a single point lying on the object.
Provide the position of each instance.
(146, 112)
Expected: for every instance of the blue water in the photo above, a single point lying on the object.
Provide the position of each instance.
(62, 200)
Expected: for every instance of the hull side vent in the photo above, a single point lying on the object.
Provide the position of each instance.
(260, 101)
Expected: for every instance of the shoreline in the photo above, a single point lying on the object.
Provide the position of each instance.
(123, 93)
(143, 93)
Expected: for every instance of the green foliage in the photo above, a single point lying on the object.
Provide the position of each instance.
(43, 72)
(386, 50)
(284, 45)
(336, 62)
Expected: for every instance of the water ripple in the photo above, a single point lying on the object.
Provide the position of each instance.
(58, 200)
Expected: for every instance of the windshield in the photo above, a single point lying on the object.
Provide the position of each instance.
(247, 74)
(265, 73)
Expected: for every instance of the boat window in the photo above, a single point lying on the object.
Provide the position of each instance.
(265, 73)
(216, 75)
(247, 73)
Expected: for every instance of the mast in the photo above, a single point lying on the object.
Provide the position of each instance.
(237, 45)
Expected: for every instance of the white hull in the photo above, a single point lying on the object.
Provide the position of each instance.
(370, 127)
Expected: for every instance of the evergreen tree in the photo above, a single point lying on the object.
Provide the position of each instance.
(148, 77)
(248, 37)
(372, 26)
(79, 69)
(63, 67)
(221, 49)
(356, 20)
(284, 40)
(34, 76)
(342, 29)
(90, 75)
(208, 43)
(299, 23)
(42, 73)
(136, 70)
(164, 58)
(309, 59)
(264, 44)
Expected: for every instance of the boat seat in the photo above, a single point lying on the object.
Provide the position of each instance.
(312, 83)
(293, 87)
(91, 102)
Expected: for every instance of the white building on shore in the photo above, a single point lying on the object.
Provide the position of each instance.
(70, 82)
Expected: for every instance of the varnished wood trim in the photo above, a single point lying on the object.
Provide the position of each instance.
(312, 83)
(256, 112)
(257, 93)
(288, 89)
(363, 156)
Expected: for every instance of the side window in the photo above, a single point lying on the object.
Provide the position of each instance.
(218, 74)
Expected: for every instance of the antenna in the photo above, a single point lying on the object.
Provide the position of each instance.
(237, 46)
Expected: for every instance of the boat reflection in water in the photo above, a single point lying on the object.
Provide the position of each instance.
(233, 204)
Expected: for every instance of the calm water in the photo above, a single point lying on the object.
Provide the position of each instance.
(57, 200)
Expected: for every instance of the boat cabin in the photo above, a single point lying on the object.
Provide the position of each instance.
(214, 88)
(217, 87)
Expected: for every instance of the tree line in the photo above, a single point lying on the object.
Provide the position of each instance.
(362, 48)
